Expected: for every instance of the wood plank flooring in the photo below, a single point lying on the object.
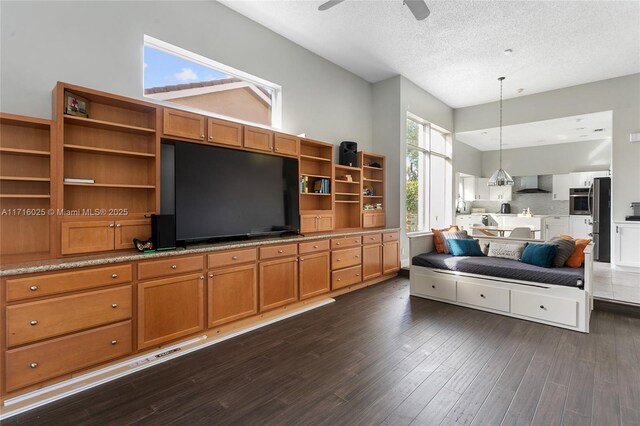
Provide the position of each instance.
(378, 356)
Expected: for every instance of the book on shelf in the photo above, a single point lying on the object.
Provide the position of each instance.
(317, 186)
(77, 180)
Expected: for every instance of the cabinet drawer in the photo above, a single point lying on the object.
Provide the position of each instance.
(485, 296)
(28, 322)
(64, 282)
(390, 236)
(439, 288)
(346, 277)
(554, 309)
(161, 268)
(345, 258)
(372, 239)
(234, 257)
(42, 361)
(278, 251)
(345, 242)
(313, 246)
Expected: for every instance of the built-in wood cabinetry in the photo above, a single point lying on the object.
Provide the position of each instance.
(102, 235)
(316, 222)
(278, 282)
(390, 252)
(223, 132)
(371, 256)
(373, 182)
(316, 202)
(284, 144)
(232, 294)
(258, 139)
(314, 274)
(348, 197)
(183, 124)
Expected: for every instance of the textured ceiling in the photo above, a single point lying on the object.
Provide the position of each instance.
(456, 54)
(579, 128)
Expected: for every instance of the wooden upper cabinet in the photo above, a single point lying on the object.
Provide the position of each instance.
(258, 139)
(325, 222)
(315, 277)
(224, 132)
(232, 294)
(127, 230)
(284, 144)
(316, 222)
(183, 124)
(87, 237)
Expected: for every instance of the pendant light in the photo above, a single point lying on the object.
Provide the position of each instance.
(500, 177)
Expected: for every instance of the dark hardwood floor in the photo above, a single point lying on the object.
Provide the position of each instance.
(377, 356)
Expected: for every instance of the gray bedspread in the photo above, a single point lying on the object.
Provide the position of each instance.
(503, 268)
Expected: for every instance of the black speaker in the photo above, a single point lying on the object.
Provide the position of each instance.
(163, 231)
(349, 154)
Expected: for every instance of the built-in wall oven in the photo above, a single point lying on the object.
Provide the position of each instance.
(579, 201)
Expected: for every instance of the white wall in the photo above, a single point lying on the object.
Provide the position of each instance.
(550, 159)
(100, 45)
(466, 159)
(619, 95)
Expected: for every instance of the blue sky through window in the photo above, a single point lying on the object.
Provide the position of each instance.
(164, 69)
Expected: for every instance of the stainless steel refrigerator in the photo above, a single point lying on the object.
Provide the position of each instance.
(600, 211)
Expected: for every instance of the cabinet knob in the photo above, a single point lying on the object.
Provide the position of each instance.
(114, 305)
(34, 322)
(174, 266)
(357, 275)
(202, 277)
(201, 136)
(339, 279)
(111, 225)
(357, 256)
(118, 225)
(337, 244)
(301, 259)
(33, 365)
(210, 138)
(356, 241)
(210, 275)
(542, 307)
(113, 342)
(315, 246)
(234, 257)
(280, 251)
(114, 275)
(33, 288)
(338, 260)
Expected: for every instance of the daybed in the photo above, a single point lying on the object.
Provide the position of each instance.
(560, 297)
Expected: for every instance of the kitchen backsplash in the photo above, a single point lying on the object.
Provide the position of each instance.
(538, 203)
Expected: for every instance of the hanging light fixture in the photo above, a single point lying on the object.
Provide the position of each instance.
(500, 177)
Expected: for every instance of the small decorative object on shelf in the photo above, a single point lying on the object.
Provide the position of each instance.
(369, 191)
(375, 164)
(75, 105)
(143, 246)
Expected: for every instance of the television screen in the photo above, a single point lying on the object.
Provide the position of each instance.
(222, 192)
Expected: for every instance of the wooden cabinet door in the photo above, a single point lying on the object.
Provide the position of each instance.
(390, 257)
(278, 283)
(372, 220)
(183, 124)
(378, 220)
(314, 275)
(170, 308)
(325, 222)
(87, 237)
(308, 223)
(224, 132)
(371, 261)
(258, 139)
(232, 294)
(286, 144)
(127, 230)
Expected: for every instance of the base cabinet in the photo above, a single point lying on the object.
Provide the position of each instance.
(627, 244)
(371, 261)
(170, 308)
(315, 276)
(390, 257)
(278, 283)
(232, 294)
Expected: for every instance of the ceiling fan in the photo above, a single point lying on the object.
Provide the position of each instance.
(417, 7)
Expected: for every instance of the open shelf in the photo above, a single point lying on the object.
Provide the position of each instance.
(347, 182)
(101, 124)
(25, 178)
(372, 196)
(340, 166)
(348, 193)
(42, 196)
(372, 180)
(313, 158)
(21, 151)
(315, 193)
(347, 202)
(316, 176)
(110, 185)
(372, 168)
(106, 151)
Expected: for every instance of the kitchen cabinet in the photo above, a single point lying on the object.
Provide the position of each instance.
(561, 185)
(278, 283)
(580, 226)
(316, 223)
(466, 221)
(585, 179)
(284, 144)
(315, 278)
(476, 189)
(627, 244)
(182, 124)
(258, 139)
(94, 236)
(223, 132)
(554, 226)
(371, 261)
(232, 294)
(500, 193)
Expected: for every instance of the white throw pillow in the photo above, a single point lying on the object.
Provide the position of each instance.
(506, 250)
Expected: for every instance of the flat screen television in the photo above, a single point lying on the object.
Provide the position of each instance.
(225, 193)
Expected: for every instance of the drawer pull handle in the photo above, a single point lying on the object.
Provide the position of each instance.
(234, 257)
(338, 260)
(542, 307)
(339, 279)
(202, 277)
(315, 246)
(201, 136)
(114, 305)
(356, 241)
(33, 365)
(433, 286)
(357, 256)
(174, 266)
(114, 275)
(118, 225)
(111, 225)
(34, 322)
(113, 342)
(33, 288)
(483, 296)
(337, 244)
(210, 138)
(210, 275)
(302, 260)
(357, 275)
(280, 251)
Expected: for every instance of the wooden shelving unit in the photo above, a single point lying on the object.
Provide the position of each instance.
(27, 165)
(316, 164)
(373, 183)
(347, 197)
(116, 145)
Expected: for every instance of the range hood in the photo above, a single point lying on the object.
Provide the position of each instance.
(529, 185)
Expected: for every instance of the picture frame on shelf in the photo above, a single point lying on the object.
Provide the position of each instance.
(75, 105)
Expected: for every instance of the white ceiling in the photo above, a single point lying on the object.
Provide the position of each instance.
(456, 54)
(579, 128)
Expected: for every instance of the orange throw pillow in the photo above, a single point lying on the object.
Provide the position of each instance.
(437, 240)
(577, 257)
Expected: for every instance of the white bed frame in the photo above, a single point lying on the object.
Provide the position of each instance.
(560, 306)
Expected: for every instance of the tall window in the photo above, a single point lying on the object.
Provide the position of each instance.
(175, 75)
(429, 176)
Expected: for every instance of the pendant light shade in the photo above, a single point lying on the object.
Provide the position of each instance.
(500, 177)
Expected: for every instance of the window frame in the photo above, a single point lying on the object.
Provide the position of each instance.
(276, 94)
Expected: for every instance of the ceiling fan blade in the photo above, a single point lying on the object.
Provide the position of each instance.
(418, 8)
(329, 4)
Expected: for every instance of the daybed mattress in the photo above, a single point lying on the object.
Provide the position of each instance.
(503, 268)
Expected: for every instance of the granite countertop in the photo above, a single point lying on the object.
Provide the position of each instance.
(48, 265)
